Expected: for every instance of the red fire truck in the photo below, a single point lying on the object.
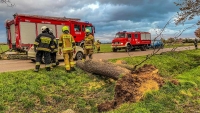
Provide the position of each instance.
(131, 41)
(23, 29)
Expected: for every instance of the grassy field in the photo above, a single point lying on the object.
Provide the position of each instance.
(55, 91)
(107, 47)
(3, 48)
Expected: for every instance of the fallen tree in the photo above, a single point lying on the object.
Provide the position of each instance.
(103, 68)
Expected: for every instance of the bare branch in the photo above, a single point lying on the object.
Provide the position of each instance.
(9, 4)
(188, 10)
(179, 34)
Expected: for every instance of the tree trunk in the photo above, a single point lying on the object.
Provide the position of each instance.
(106, 69)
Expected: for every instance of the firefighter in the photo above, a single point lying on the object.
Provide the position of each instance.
(195, 43)
(43, 45)
(54, 51)
(67, 43)
(97, 44)
(88, 45)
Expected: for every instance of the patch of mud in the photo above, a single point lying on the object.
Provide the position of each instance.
(120, 62)
(132, 87)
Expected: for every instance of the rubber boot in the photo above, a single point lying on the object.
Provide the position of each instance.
(37, 67)
(72, 69)
(84, 57)
(54, 65)
(90, 57)
(68, 71)
(48, 68)
(57, 63)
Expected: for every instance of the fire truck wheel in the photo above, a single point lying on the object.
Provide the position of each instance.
(128, 48)
(114, 50)
(143, 48)
(79, 56)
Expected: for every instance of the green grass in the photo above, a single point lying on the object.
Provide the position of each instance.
(171, 45)
(105, 48)
(3, 48)
(55, 91)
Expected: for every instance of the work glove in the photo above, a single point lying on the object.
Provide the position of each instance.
(35, 49)
(73, 44)
(60, 52)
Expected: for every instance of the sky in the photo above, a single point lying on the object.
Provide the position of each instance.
(108, 16)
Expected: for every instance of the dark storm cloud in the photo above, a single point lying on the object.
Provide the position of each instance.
(108, 16)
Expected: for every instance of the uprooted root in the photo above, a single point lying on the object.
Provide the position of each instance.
(132, 87)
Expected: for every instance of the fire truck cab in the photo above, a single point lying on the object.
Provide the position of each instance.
(131, 41)
(23, 29)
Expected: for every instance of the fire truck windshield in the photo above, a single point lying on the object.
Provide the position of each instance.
(90, 28)
(120, 35)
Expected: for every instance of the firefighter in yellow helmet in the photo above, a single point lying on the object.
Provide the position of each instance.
(67, 43)
(88, 45)
(97, 45)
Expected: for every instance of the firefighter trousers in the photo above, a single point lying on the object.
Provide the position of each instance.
(46, 56)
(87, 52)
(68, 59)
(53, 58)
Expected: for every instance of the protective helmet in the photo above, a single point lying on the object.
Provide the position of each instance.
(43, 28)
(50, 30)
(65, 28)
(87, 30)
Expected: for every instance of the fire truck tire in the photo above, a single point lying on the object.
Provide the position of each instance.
(143, 48)
(128, 48)
(114, 50)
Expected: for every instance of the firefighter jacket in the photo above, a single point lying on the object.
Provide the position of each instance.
(89, 42)
(44, 42)
(97, 44)
(66, 42)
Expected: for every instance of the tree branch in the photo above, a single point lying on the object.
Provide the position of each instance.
(9, 4)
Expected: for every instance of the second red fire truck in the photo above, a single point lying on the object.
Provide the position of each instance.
(131, 41)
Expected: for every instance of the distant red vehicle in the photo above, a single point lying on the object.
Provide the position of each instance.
(23, 29)
(131, 41)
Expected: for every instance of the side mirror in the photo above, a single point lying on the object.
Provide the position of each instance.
(94, 29)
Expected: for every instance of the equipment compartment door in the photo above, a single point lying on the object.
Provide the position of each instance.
(27, 32)
(12, 33)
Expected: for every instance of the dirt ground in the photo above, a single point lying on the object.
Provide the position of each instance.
(132, 87)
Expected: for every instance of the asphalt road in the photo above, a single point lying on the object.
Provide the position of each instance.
(16, 65)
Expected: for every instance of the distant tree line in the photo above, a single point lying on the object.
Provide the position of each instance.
(179, 40)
